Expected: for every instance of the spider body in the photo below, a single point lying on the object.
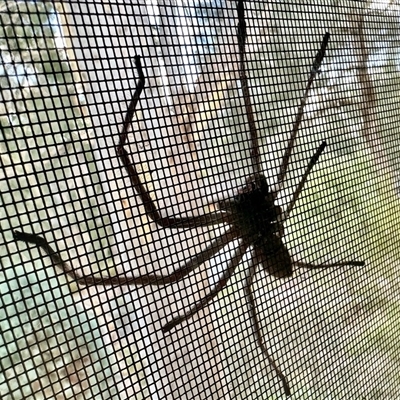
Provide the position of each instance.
(257, 221)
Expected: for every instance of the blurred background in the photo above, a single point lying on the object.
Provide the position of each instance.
(67, 76)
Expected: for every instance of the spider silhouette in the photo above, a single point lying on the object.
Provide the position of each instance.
(252, 218)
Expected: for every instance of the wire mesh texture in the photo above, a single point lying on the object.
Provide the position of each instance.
(108, 238)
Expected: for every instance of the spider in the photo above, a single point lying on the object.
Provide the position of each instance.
(252, 217)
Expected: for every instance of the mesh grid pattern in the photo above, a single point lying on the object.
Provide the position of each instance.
(67, 79)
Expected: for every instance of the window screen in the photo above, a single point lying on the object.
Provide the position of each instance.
(199, 199)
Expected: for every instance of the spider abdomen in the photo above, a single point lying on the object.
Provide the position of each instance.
(273, 256)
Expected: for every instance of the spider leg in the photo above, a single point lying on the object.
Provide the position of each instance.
(300, 186)
(44, 245)
(301, 264)
(241, 36)
(149, 205)
(146, 279)
(250, 273)
(233, 263)
(300, 112)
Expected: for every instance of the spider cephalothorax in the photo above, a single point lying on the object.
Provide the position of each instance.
(253, 208)
(258, 222)
(255, 203)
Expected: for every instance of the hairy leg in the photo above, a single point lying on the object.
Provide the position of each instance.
(300, 112)
(241, 36)
(149, 204)
(250, 273)
(235, 261)
(146, 279)
(300, 186)
(301, 264)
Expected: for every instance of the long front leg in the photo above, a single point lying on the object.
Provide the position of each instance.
(235, 261)
(144, 280)
(251, 271)
(300, 112)
(300, 186)
(254, 140)
(148, 203)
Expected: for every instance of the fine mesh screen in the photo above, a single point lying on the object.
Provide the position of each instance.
(168, 190)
